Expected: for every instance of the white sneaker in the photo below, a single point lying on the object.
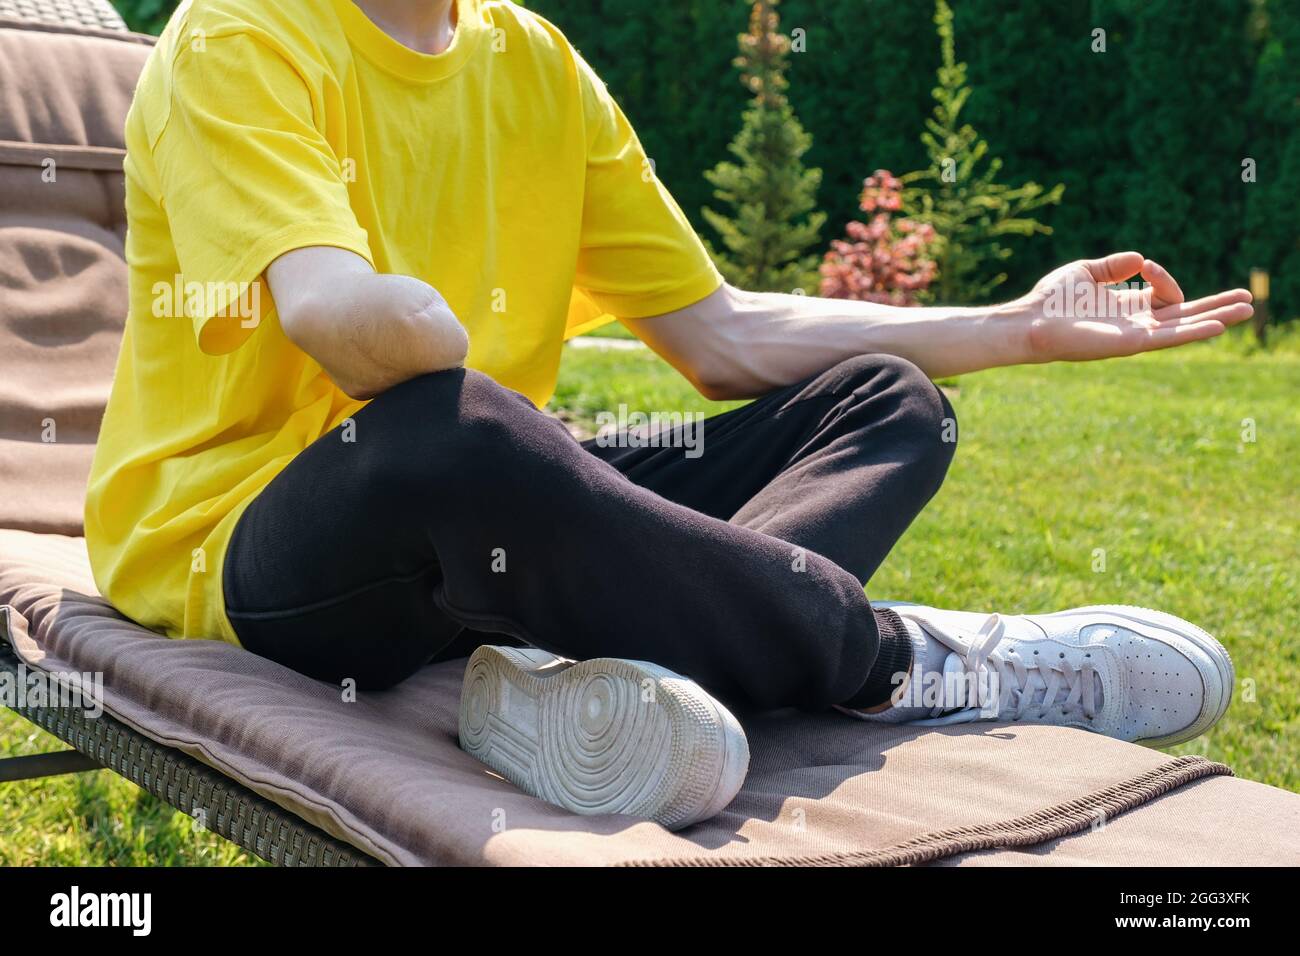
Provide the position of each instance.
(1126, 672)
(602, 736)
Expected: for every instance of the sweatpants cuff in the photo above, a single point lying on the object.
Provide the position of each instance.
(893, 658)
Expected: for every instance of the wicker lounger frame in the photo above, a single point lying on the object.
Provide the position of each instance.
(93, 14)
(226, 807)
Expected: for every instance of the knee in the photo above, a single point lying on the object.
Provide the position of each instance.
(498, 431)
(900, 396)
(927, 418)
(457, 396)
(923, 402)
(458, 427)
(920, 402)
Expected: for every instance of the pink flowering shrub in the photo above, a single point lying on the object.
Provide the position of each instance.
(885, 259)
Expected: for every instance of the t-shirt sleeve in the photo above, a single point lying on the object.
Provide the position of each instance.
(245, 175)
(638, 254)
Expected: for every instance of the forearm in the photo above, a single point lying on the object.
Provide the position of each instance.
(782, 338)
(369, 331)
(734, 344)
(382, 330)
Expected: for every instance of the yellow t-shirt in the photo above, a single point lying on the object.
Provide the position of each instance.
(500, 171)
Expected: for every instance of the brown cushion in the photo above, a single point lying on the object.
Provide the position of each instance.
(1182, 828)
(64, 94)
(385, 773)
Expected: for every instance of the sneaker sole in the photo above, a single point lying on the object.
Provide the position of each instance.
(1218, 682)
(603, 735)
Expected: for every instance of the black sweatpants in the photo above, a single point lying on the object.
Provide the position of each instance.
(452, 507)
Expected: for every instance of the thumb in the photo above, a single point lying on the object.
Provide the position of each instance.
(1115, 267)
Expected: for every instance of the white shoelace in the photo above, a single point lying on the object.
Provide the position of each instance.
(983, 680)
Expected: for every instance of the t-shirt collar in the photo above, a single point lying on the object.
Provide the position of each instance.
(393, 56)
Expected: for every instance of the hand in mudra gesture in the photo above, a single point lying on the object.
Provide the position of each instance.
(1076, 315)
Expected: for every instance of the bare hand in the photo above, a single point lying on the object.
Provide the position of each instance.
(1077, 315)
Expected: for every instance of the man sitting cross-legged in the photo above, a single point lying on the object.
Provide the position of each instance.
(392, 212)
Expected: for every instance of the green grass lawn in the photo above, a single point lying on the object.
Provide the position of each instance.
(1142, 458)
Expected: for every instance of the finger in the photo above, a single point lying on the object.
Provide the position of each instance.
(1134, 302)
(1222, 308)
(1115, 267)
(1167, 337)
(1205, 303)
(1162, 283)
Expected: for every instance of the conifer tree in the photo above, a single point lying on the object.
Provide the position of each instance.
(959, 194)
(770, 195)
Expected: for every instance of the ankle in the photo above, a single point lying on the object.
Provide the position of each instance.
(891, 667)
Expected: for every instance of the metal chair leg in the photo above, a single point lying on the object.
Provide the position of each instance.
(45, 765)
